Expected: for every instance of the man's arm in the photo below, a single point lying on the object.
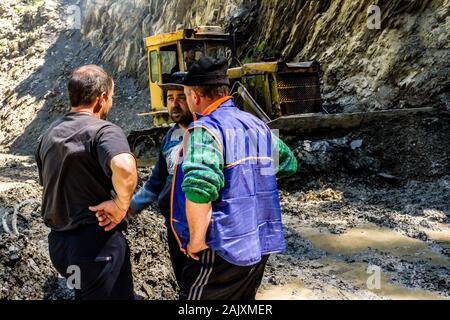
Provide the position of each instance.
(198, 217)
(113, 154)
(124, 178)
(202, 180)
(287, 165)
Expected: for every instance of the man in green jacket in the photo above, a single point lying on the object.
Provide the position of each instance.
(225, 210)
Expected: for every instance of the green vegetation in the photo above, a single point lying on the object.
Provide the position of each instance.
(261, 46)
(247, 59)
(34, 3)
(19, 9)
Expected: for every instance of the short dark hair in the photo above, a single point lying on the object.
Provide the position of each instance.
(86, 83)
(212, 91)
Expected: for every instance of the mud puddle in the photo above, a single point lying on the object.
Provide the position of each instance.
(350, 261)
(359, 239)
(356, 274)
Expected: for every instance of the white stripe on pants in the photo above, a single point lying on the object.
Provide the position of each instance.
(196, 290)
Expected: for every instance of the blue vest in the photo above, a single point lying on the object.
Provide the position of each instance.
(246, 217)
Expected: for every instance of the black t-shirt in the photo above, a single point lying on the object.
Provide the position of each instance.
(73, 159)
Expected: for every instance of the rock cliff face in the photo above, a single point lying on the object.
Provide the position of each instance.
(38, 51)
(405, 63)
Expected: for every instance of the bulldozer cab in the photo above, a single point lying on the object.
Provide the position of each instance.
(177, 51)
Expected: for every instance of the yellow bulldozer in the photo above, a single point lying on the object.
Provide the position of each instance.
(269, 90)
(286, 96)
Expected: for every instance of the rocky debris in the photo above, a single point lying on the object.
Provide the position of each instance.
(392, 151)
(363, 69)
(26, 271)
(411, 148)
(27, 28)
(387, 176)
(327, 194)
(435, 215)
(334, 155)
(14, 231)
(152, 271)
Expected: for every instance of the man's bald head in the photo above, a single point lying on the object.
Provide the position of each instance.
(88, 82)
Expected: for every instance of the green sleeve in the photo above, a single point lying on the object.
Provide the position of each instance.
(287, 165)
(202, 167)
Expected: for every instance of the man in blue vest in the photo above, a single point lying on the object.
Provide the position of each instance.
(225, 211)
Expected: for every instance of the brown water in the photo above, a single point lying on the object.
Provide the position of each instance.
(368, 236)
(441, 237)
(356, 274)
(356, 241)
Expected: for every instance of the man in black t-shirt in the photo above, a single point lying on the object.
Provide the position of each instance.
(88, 176)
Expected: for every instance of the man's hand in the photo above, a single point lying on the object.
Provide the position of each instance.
(194, 249)
(105, 221)
(109, 214)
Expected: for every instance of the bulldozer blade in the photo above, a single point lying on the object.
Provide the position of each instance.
(311, 122)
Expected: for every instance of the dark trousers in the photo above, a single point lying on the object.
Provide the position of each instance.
(213, 278)
(177, 257)
(102, 258)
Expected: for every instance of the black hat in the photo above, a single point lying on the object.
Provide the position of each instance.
(175, 82)
(207, 71)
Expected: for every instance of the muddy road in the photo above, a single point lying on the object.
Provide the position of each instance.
(366, 217)
(350, 234)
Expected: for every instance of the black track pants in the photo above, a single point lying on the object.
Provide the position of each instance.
(213, 278)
